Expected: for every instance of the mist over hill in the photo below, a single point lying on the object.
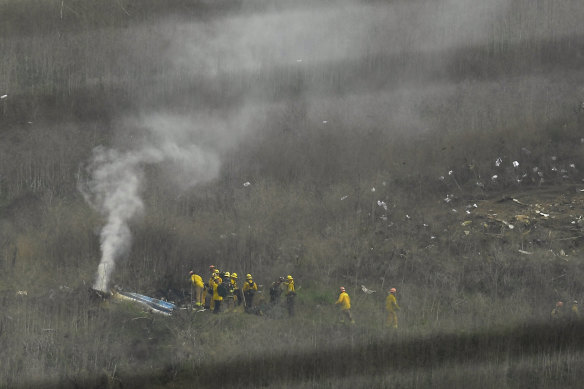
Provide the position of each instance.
(345, 142)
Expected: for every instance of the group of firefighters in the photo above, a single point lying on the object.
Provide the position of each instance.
(222, 289)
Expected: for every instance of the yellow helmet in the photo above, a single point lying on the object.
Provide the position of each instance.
(226, 274)
(248, 276)
(289, 277)
(233, 275)
(216, 271)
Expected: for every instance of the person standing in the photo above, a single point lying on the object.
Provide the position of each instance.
(558, 311)
(345, 303)
(197, 287)
(574, 314)
(236, 290)
(249, 290)
(208, 297)
(276, 290)
(217, 299)
(391, 307)
(290, 295)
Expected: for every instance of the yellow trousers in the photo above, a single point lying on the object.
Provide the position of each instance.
(392, 319)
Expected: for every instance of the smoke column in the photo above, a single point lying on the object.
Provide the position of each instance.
(114, 190)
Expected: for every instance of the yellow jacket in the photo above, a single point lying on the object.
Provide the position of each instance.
(290, 285)
(345, 301)
(391, 303)
(197, 280)
(250, 286)
(216, 296)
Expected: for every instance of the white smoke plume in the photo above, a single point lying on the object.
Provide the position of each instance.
(114, 189)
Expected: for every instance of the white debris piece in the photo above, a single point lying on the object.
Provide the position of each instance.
(498, 162)
(382, 204)
(408, 217)
(299, 60)
(3, 97)
(467, 212)
(441, 178)
(515, 164)
(246, 184)
(373, 189)
(475, 205)
(366, 290)
(22, 293)
(454, 210)
(432, 237)
(344, 197)
(324, 121)
(544, 214)
(448, 198)
(525, 252)
(450, 172)
(494, 177)
(573, 166)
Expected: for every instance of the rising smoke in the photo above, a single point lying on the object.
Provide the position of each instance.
(239, 67)
(115, 183)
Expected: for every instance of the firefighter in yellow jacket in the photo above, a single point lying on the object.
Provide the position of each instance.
(392, 308)
(197, 289)
(345, 303)
(210, 294)
(217, 299)
(249, 290)
(290, 294)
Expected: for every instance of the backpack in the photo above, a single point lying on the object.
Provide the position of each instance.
(223, 289)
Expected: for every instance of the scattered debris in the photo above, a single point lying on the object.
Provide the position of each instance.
(515, 164)
(494, 177)
(22, 293)
(368, 291)
(498, 162)
(246, 184)
(344, 197)
(373, 189)
(525, 252)
(3, 97)
(382, 204)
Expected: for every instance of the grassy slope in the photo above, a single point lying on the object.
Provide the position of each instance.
(291, 220)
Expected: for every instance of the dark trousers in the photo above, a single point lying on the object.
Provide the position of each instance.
(237, 293)
(248, 299)
(217, 306)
